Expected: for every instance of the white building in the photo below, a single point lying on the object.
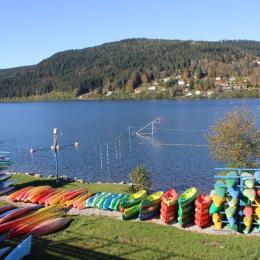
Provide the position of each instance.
(181, 82)
(189, 94)
(109, 93)
(152, 88)
(197, 92)
(218, 78)
(210, 92)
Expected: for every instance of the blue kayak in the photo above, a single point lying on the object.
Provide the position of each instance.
(90, 200)
(21, 250)
(107, 202)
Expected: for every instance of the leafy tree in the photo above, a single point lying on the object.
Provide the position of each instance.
(235, 140)
(140, 178)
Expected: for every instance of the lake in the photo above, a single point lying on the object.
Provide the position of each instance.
(176, 154)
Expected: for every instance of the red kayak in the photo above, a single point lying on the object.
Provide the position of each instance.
(202, 223)
(170, 197)
(166, 220)
(203, 216)
(203, 201)
(49, 226)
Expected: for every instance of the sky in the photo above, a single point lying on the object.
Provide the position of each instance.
(32, 30)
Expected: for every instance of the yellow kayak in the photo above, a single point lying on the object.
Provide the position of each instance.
(152, 199)
(134, 199)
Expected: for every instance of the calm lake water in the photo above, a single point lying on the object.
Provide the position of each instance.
(101, 128)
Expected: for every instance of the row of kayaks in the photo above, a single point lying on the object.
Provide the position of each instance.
(5, 184)
(31, 220)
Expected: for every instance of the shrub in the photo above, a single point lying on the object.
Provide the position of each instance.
(140, 178)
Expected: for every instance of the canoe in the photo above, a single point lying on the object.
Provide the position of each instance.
(43, 199)
(231, 179)
(133, 199)
(152, 199)
(5, 213)
(220, 188)
(24, 229)
(170, 197)
(250, 194)
(82, 198)
(17, 213)
(22, 250)
(187, 197)
(4, 250)
(6, 208)
(71, 195)
(188, 209)
(117, 203)
(214, 209)
(248, 179)
(232, 202)
(102, 199)
(149, 215)
(38, 192)
(107, 201)
(41, 195)
(131, 212)
(203, 201)
(56, 198)
(13, 195)
(185, 221)
(50, 226)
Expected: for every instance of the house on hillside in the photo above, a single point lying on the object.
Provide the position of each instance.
(189, 94)
(197, 92)
(109, 93)
(152, 88)
(218, 78)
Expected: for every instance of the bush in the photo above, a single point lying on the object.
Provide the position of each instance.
(140, 178)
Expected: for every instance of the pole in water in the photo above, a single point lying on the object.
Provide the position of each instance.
(129, 138)
(116, 150)
(101, 160)
(119, 148)
(55, 147)
(107, 155)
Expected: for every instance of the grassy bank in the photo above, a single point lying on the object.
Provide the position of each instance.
(104, 238)
(23, 180)
(96, 237)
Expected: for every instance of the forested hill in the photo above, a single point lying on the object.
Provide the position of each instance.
(125, 65)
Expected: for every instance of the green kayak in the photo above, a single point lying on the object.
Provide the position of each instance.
(232, 202)
(152, 199)
(183, 221)
(248, 179)
(187, 197)
(117, 202)
(188, 209)
(134, 199)
(220, 188)
(131, 212)
(102, 199)
(231, 179)
(96, 199)
(250, 194)
(214, 209)
(114, 200)
(230, 211)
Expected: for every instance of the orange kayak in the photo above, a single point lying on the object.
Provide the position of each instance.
(170, 197)
(37, 192)
(18, 194)
(82, 199)
(41, 195)
(43, 199)
(203, 201)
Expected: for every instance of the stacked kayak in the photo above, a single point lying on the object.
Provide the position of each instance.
(202, 216)
(150, 206)
(5, 161)
(130, 206)
(186, 206)
(169, 206)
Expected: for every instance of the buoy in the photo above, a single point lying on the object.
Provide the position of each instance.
(31, 151)
(76, 144)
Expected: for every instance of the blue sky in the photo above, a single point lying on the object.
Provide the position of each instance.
(32, 30)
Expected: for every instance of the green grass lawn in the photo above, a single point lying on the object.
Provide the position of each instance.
(104, 237)
(99, 237)
(23, 181)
